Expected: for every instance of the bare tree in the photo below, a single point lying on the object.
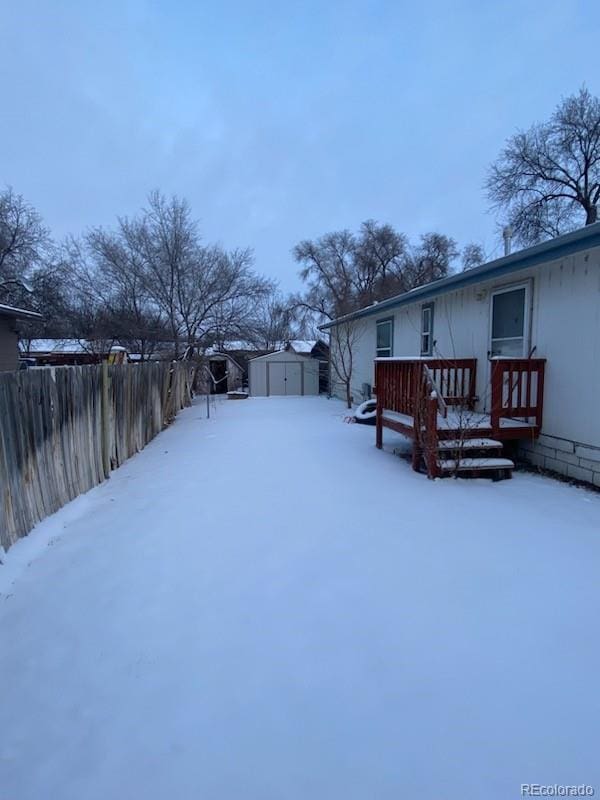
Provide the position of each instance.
(430, 260)
(24, 242)
(329, 271)
(343, 341)
(271, 321)
(222, 294)
(472, 256)
(547, 179)
(112, 284)
(343, 271)
(381, 258)
(152, 277)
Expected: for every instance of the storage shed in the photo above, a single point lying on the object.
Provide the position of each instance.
(283, 373)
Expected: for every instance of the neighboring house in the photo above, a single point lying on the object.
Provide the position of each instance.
(315, 348)
(9, 335)
(542, 303)
(70, 352)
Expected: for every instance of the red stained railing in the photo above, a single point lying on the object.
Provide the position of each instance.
(422, 388)
(517, 390)
(398, 382)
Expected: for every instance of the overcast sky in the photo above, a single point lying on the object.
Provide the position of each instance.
(280, 120)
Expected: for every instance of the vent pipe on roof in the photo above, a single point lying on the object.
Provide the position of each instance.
(507, 234)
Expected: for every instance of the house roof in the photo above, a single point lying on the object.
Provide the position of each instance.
(18, 313)
(67, 346)
(561, 246)
(302, 346)
(54, 346)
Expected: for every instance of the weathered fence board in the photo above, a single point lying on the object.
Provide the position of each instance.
(62, 429)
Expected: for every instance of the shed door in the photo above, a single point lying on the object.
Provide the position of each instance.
(275, 377)
(284, 377)
(293, 378)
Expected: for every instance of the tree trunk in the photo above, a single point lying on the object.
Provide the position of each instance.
(591, 214)
(348, 395)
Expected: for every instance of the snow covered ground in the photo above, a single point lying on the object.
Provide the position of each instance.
(263, 605)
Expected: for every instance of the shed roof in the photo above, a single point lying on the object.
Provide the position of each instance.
(283, 355)
(561, 246)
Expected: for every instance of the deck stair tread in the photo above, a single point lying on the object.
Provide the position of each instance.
(469, 444)
(464, 464)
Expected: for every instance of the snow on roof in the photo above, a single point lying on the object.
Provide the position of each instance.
(65, 346)
(305, 346)
(52, 346)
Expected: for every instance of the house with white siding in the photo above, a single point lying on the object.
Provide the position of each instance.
(516, 340)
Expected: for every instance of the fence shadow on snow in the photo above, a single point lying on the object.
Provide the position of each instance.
(63, 429)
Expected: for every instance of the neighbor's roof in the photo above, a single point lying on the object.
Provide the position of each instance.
(68, 346)
(562, 246)
(54, 346)
(302, 346)
(18, 313)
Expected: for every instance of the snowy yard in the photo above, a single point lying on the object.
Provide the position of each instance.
(263, 605)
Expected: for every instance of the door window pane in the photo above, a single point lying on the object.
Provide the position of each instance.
(427, 329)
(508, 314)
(508, 323)
(384, 338)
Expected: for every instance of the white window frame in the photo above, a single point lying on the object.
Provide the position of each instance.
(528, 286)
(427, 309)
(389, 351)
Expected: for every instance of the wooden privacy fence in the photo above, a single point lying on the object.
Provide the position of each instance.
(63, 429)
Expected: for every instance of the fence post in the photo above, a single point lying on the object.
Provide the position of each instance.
(105, 421)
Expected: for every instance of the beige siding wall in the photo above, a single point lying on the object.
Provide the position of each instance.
(564, 329)
(9, 345)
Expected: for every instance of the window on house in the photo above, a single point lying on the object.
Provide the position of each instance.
(509, 322)
(427, 329)
(385, 336)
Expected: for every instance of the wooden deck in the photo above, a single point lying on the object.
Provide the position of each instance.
(434, 400)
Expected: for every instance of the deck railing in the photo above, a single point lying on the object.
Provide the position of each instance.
(517, 390)
(422, 389)
(399, 381)
(397, 384)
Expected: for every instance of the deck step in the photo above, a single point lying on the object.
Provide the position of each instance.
(474, 464)
(469, 444)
